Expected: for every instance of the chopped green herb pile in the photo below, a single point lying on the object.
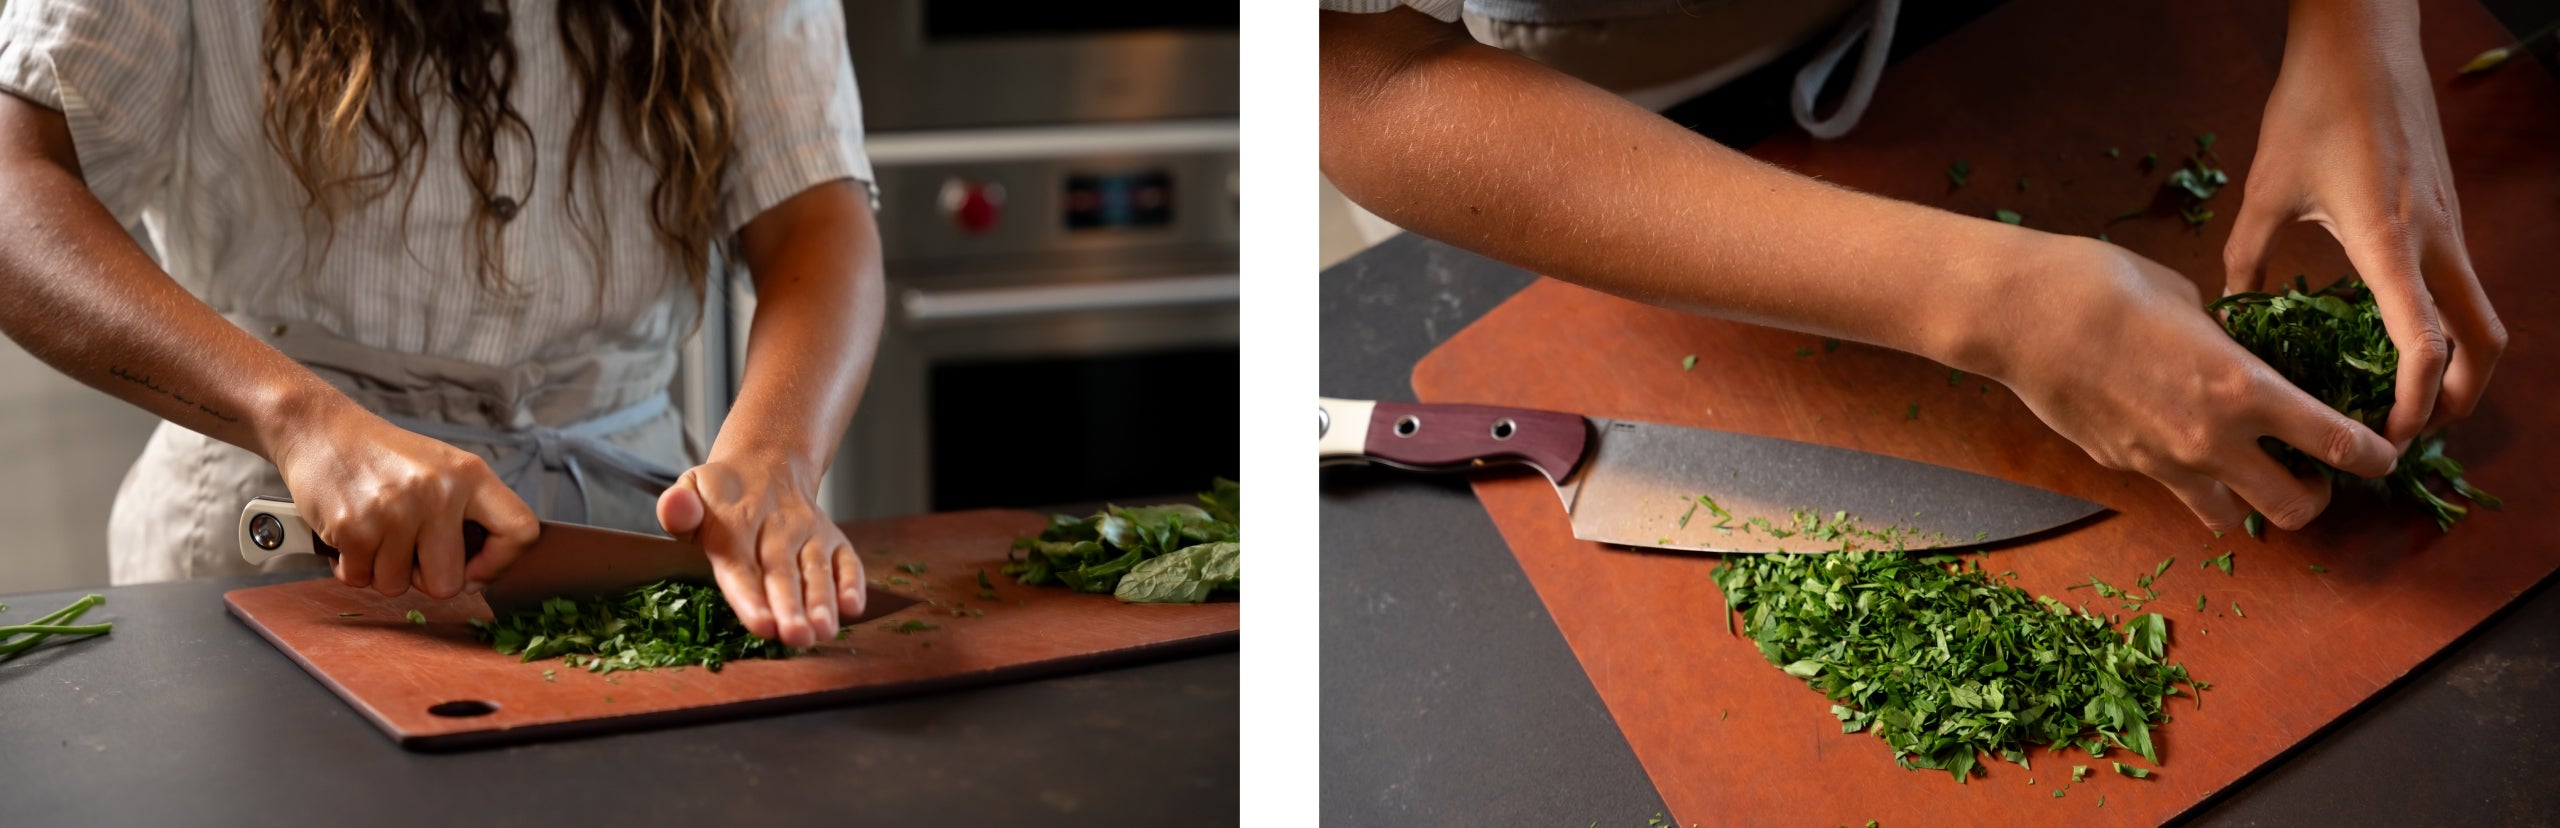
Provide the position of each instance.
(1148, 554)
(1946, 663)
(665, 624)
(52, 624)
(2332, 344)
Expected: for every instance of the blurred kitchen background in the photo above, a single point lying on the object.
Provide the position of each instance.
(1059, 214)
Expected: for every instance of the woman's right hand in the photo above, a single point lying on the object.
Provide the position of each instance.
(393, 503)
(2125, 362)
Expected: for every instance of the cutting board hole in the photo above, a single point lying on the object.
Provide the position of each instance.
(464, 709)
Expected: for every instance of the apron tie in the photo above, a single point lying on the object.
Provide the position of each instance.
(569, 450)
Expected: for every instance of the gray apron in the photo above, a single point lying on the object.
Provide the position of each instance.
(589, 439)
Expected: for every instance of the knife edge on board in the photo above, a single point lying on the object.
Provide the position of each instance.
(566, 560)
(1699, 490)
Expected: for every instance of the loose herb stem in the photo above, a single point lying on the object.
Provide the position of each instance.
(52, 624)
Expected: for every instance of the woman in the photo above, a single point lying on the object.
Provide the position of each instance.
(422, 263)
(1419, 127)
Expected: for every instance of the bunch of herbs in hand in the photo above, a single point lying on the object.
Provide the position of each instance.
(2332, 344)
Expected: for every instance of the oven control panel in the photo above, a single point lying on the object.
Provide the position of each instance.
(956, 203)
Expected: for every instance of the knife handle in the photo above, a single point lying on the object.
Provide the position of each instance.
(1448, 437)
(271, 527)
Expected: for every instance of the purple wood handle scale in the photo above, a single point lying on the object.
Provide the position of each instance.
(1458, 437)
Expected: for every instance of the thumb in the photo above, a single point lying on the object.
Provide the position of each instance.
(2253, 236)
(680, 508)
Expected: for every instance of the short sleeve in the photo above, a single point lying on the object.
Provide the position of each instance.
(1445, 10)
(117, 71)
(799, 117)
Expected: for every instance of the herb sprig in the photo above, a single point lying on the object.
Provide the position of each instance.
(51, 624)
(1176, 553)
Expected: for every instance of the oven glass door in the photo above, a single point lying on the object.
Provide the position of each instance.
(1032, 432)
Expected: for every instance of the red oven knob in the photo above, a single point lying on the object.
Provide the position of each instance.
(973, 206)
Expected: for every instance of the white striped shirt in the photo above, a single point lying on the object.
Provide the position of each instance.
(164, 102)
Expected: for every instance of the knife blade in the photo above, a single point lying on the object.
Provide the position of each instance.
(566, 560)
(1691, 489)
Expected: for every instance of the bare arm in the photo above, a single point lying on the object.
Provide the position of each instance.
(816, 262)
(92, 304)
(788, 572)
(1500, 155)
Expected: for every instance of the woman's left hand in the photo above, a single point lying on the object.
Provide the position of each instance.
(786, 569)
(2351, 141)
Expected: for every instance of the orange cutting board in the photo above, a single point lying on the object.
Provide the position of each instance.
(1730, 740)
(399, 674)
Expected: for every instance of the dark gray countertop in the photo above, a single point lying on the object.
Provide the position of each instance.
(183, 716)
(1449, 696)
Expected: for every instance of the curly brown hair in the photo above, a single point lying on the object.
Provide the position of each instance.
(345, 80)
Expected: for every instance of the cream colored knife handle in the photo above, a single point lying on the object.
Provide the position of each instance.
(270, 527)
(1342, 430)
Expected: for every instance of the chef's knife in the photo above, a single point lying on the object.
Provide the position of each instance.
(1644, 484)
(566, 560)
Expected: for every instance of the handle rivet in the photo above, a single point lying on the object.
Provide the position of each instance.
(1504, 428)
(1407, 425)
(266, 531)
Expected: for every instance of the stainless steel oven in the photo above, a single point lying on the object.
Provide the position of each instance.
(1059, 214)
(939, 64)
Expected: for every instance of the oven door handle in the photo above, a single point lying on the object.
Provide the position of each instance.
(982, 304)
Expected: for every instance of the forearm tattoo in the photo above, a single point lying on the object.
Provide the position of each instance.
(144, 380)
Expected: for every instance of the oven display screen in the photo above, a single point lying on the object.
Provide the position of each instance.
(956, 19)
(1123, 200)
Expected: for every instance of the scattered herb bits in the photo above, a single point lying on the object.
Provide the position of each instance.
(1689, 363)
(1958, 171)
(2332, 344)
(2129, 770)
(1947, 664)
(2008, 216)
(418, 618)
(665, 624)
(2221, 562)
